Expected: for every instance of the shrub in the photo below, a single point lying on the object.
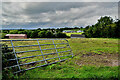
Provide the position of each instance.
(49, 34)
(13, 32)
(61, 35)
(2, 35)
(42, 34)
(7, 54)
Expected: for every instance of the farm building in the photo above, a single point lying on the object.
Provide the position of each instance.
(69, 31)
(77, 36)
(79, 31)
(16, 36)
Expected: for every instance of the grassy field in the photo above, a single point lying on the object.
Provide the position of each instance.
(69, 34)
(93, 58)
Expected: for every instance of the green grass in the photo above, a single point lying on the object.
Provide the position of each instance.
(0, 75)
(93, 58)
(68, 71)
(69, 34)
(85, 45)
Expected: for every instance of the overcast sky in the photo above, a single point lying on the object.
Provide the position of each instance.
(54, 14)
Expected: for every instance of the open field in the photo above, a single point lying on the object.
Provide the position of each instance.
(69, 34)
(93, 58)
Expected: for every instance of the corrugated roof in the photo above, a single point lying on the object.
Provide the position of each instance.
(15, 34)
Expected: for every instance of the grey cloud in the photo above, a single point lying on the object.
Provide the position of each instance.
(56, 13)
(43, 7)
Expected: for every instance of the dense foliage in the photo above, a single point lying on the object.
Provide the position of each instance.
(105, 28)
(6, 55)
(38, 33)
(41, 33)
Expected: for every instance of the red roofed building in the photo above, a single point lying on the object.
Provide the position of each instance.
(16, 36)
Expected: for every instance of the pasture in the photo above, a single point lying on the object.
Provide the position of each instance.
(69, 34)
(93, 58)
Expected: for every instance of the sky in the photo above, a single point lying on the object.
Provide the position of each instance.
(33, 15)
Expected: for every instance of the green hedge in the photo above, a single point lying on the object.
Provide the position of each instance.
(7, 54)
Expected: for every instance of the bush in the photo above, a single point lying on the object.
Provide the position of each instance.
(13, 32)
(7, 54)
(34, 34)
(2, 35)
(42, 34)
(49, 34)
(61, 35)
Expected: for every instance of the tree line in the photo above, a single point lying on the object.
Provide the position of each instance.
(41, 33)
(105, 27)
(36, 33)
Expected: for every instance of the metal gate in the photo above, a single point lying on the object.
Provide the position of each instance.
(34, 53)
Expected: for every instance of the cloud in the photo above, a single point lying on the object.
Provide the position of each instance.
(55, 14)
(60, 1)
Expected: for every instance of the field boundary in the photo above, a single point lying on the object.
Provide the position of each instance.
(18, 65)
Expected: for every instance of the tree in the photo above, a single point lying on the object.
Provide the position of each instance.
(61, 35)
(42, 34)
(34, 34)
(105, 21)
(22, 32)
(2, 35)
(13, 32)
(49, 34)
(105, 27)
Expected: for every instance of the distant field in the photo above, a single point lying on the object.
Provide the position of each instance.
(69, 34)
(93, 58)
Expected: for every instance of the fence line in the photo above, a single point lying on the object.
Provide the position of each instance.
(66, 43)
